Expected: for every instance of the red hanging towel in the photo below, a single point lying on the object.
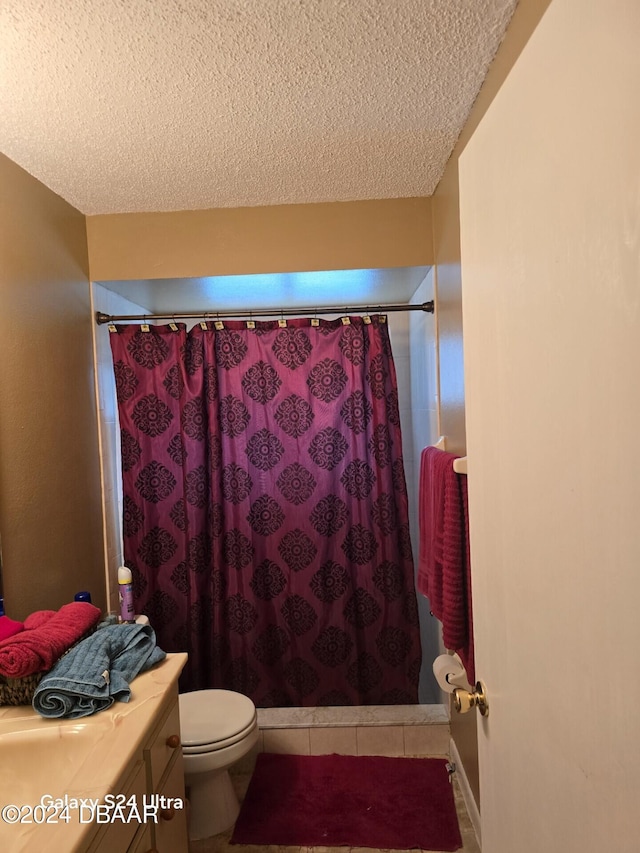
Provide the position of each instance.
(443, 564)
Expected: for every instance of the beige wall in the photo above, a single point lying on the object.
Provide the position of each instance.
(446, 231)
(283, 238)
(50, 517)
(446, 248)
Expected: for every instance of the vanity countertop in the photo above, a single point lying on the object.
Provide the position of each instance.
(55, 762)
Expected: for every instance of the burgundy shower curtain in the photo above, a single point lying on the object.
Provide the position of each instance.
(265, 507)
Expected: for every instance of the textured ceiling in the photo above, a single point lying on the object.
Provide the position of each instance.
(149, 105)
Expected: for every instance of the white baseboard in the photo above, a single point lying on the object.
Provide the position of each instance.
(467, 793)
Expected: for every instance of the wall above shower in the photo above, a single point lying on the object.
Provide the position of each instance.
(272, 290)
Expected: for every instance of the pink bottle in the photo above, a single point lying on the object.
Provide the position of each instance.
(125, 589)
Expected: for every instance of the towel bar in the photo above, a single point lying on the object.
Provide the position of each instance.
(460, 465)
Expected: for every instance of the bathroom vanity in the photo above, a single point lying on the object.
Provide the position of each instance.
(109, 783)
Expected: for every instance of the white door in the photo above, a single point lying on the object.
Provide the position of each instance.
(550, 216)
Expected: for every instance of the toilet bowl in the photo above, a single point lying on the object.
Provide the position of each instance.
(217, 728)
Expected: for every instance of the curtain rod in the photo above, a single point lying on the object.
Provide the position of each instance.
(102, 318)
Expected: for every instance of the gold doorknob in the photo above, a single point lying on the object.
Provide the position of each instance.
(464, 700)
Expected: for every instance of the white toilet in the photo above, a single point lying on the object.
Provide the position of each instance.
(217, 728)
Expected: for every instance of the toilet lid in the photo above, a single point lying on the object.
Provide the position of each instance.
(210, 716)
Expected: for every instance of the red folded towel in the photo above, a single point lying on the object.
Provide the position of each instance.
(38, 618)
(37, 649)
(9, 627)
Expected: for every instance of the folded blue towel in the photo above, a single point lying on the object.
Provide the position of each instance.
(97, 671)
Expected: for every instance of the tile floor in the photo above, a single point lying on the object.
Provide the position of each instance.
(220, 843)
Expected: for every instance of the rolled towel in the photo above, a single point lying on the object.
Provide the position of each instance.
(97, 672)
(37, 649)
(9, 627)
(38, 618)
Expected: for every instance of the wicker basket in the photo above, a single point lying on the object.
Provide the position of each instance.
(19, 691)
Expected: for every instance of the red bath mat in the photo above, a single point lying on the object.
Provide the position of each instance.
(350, 801)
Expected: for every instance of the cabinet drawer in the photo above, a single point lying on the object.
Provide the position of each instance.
(118, 835)
(142, 843)
(170, 833)
(164, 746)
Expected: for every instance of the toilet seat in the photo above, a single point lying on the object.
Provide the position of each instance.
(212, 746)
(211, 720)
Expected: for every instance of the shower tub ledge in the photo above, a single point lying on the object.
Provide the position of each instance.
(392, 730)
